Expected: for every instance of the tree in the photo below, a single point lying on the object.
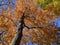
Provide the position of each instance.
(40, 23)
(36, 23)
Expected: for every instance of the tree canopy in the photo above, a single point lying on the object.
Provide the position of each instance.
(34, 20)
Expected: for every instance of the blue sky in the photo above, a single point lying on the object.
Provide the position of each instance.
(30, 43)
(57, 22)
(10, 3)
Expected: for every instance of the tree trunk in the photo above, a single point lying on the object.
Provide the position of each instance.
(18, 36)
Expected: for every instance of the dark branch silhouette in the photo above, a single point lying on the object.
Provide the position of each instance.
(32, 27)
(20, 31)
(19, 34)
(1, 37)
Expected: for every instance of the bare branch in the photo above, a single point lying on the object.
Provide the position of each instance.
(32, 27)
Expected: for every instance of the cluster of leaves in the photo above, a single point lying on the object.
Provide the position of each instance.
(47, 3)
(52, 5)
(7, 24)
(6, 21)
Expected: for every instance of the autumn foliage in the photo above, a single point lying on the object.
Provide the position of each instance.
(38, 23)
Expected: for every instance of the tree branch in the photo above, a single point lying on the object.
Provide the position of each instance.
(32, 27)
